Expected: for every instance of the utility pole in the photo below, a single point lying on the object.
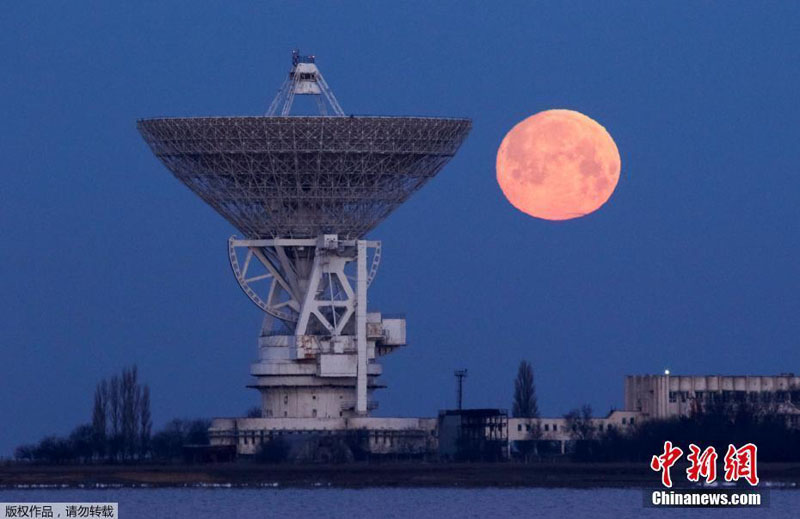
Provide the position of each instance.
(460, 374)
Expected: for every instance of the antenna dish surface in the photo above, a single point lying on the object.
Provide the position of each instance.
(302, 177)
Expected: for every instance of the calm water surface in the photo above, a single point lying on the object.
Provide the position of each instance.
(417, 503)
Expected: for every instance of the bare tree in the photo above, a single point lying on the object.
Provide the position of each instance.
(127, 416)
(130, 411)
(145, 422)
(579, 423)
(115, 413)
(121, 419)
(525, 404)
(99, 419)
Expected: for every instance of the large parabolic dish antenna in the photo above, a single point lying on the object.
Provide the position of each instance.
(303, 177)
(304, 191)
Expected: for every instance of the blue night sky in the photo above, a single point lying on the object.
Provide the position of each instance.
(107, 260)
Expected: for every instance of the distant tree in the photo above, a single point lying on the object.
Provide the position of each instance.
(254, 412)
(114, 417)
(121, 419)
(25, 452)
(81, 443)
(120, 427)
(197, 432)
(525, 404)
(53, 449)
(579, 423)
(129, 420)
(145, 423)
(100, 420)
(167, 444)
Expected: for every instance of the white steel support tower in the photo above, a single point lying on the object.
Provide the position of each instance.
(304, 191)
(318, 345)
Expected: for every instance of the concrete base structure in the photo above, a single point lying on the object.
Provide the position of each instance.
(415, 437)
(314, 376)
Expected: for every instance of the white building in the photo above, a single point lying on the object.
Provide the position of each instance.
(666, 396)
(557, 429)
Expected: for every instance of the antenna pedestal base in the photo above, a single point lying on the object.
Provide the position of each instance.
(319, 345)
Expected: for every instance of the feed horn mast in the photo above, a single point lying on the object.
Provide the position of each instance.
(304, 191)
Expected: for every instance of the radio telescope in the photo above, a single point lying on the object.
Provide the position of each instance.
(304, 191)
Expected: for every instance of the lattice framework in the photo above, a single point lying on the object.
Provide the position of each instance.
(302, 177)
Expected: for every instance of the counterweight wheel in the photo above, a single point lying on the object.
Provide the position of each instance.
(260, 284)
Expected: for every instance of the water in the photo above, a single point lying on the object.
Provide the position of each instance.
(417, 503)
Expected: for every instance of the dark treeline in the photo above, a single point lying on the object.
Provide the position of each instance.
(120, 430)
(717, 425)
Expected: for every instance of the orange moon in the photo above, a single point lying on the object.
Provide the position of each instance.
(558, 165)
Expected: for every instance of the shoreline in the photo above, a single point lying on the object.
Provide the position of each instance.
(359, 475)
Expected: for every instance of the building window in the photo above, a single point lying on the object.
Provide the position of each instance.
(313, 397)
(314, 413)
(600, 427)
(546, 427)
(631, 420)
(285, 414)
(528, 427)
(624, 421)
(555, 427)
(519, 426)
(285, 399)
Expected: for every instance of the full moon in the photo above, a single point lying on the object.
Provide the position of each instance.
(558, 165)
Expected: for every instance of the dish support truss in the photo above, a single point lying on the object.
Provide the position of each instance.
(314, 296)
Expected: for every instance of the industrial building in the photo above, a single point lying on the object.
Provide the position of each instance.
(666, 396)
